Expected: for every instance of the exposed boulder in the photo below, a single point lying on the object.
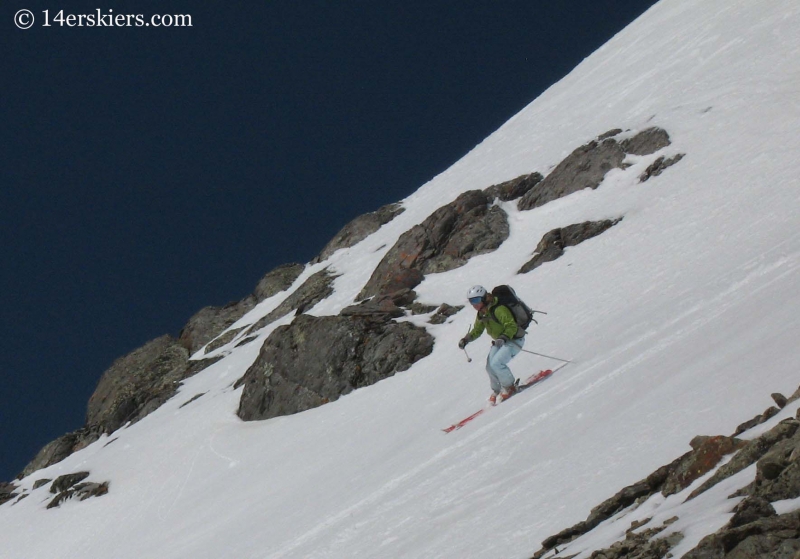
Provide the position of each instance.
(646, 142)
(769, 413)
(137, 384)
(754, 531)
(515, 188)
(659, 166)
(751, 510)
(52, 453)
(446, 240)
(640, 490)
(707, 453)
(381, 308)
(7, 492)
(140, 382)
(62, 483)
(444, 312)
(586, 167)
(209, 322)
(638, 545)
(779, 399)
(315, 360)
(314, 289)
(553, 243)
(223, 339)
(771, 537)
(40, 483)
(81, 491)
(279, 279)
(583, 168)
(751, 452)
(359, 229)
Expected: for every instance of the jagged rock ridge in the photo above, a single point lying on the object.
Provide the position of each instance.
(755, 531)
(471, 225)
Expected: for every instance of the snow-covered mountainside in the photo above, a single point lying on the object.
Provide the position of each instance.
(680, 320)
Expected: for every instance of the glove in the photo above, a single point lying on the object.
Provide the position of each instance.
(462, 343)
(500, 342)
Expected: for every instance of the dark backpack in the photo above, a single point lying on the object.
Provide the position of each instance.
(506, 296)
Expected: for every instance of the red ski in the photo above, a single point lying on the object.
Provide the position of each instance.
(530, 381)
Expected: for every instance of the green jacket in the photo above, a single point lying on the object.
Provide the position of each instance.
(505, 325)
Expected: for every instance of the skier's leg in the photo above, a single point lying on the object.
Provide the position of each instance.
(498, 361)
(493, 380)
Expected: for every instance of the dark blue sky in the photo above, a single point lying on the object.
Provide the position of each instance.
(149, 172)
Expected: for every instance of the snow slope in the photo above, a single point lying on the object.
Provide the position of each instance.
(682, 319)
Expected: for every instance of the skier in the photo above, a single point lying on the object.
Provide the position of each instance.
(508, 339)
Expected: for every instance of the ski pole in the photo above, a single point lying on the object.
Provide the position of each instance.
(469, 359)
(542, 354)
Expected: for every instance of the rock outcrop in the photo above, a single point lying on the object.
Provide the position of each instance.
(69, 487)
(133, 387)
(137, 384)
(586, 167)
(314, 289)
(515, 188)
(755, 530)
(359, 229)
(553, 243)
(659, 166)
(7, 492)
(209, 322)
(315, 360)
(446, 240)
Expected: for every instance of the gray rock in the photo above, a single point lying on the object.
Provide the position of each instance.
(40, 483)
(314, 289)
(609, 134)
(142, 381)
(277, 280)
(751, 452)
(769, 413)
(515, 188)
(553, 243)
(381, 308)
(659, 166)
(583, 168)
(751, 510)
(359, 229)
(81, 492)
(779, 399)
(608, 508)
(446, 240)
(646, 142)
(444, 312)
(586, 167)
(315, 360)
(773, 537)
(62, 483)
(209, 322)
(223, 339)
(52, 453)
(709, 452)
(137, 383)
(7, 492)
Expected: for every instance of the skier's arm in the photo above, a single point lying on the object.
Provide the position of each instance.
(476, 331)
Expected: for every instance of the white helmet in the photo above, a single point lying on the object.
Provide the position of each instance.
(476, 291)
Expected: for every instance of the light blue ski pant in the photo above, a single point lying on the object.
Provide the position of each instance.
(500, 376)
